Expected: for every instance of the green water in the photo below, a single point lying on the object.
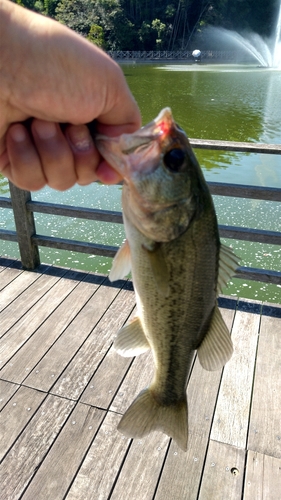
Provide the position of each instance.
(238, 103)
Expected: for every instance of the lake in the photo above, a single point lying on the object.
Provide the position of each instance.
(223, 102)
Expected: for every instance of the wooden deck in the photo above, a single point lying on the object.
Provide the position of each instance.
(63, 390)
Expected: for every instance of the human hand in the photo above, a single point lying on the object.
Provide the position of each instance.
(51, 75)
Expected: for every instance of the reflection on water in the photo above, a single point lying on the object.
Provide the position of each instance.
(210, 102)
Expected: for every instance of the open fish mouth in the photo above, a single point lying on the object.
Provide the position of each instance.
(140, 151)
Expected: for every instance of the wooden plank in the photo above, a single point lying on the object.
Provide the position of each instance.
(24, 360)
(246, 147)
(142, 467)
(175, 482)
(16, 286)
(263, 477)
(248, 234)
(138, 378)
(76, 376)
(102, 463)
(262, 275)
(8, 274)
(244, 191)
(59, 468)
(16, 414)
(10, 263)
(24, 328)
(223, 472)
(5, 202)
(74, 245)
(107, 378)
(7, 235)
(25, 456)
(232, 412)
(265, 420)
(77, 212)
(7, 390)
(48, 370)
(19, 307)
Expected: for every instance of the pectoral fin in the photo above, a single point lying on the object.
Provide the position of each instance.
(228, 263)
(216, 348)
(121, 263)
(131, 340)
(159, 269)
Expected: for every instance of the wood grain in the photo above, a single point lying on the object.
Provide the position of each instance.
(223, 472)
(232, 411)
(24, 361)
(25, 456)
(76, 376)
(265, 420)
(63, 461)
(263, 477)
(16, 414)
(98, 472)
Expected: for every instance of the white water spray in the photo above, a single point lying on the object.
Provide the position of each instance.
(266, 51)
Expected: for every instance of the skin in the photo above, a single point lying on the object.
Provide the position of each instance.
(50, 76)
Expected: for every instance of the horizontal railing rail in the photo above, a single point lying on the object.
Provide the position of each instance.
(29, 241)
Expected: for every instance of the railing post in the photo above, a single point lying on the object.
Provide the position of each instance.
(25, 227)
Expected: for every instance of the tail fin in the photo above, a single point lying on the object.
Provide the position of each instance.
(145, 415)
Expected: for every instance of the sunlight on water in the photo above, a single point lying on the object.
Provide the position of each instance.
(214, 68)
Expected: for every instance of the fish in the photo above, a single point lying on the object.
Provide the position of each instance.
(178, 266)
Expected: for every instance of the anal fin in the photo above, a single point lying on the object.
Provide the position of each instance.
(131, 339)
(216, 348)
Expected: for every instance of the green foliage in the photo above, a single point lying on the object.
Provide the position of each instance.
(46, 7)
(96, 36)
(155, 24)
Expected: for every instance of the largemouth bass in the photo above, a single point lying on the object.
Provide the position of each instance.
(178, 268)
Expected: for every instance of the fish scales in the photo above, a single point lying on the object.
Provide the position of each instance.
(174, 252)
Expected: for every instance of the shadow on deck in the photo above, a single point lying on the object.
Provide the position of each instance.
(63, 390)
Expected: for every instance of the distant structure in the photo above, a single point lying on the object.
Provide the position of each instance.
(196, 54)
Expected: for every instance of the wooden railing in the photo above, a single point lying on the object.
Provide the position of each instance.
(28, 240)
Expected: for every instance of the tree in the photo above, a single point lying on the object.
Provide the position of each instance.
(96, 36)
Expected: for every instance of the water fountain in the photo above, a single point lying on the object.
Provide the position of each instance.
(266, 51)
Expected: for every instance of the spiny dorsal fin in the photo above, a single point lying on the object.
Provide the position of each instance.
(131, 339)
(216, 348)
(121, 263)
(228, 263)
(159, 268)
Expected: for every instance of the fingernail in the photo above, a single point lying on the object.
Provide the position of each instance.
(80, 137)
(18, 133)
(45, 130)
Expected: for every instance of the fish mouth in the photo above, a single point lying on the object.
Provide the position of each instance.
(139, 152)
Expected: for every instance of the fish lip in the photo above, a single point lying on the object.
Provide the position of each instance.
(139, 151)
(128, 157)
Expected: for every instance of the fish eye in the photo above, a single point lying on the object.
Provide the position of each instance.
(174, 159)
